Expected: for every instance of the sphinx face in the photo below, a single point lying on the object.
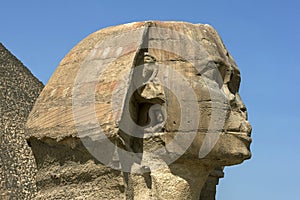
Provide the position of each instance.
(222, 134)
(232, 131)
(182, 99)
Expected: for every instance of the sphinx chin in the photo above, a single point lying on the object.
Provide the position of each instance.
(231, 149)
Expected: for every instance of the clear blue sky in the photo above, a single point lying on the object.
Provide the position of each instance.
(263, 37)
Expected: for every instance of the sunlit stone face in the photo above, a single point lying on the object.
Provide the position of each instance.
(176, 93)
(223, 134)
(233, 144)
(221, 110)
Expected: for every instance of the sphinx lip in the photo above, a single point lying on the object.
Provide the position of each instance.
(241, 135)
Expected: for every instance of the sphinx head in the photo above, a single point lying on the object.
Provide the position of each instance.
(143, 97)
(179, 97)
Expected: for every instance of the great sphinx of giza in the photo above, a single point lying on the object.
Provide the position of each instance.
(146, 110)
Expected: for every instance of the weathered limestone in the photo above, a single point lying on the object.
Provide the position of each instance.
(18, 92)
(208, 191)
(147, 110)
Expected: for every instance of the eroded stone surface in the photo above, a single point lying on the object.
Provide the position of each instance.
(160, 76)
(18, 92)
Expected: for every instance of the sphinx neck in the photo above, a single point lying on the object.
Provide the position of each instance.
(182, 180)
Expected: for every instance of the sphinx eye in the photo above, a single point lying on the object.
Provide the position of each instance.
(229, 76)
(223, 70)
(234, 82)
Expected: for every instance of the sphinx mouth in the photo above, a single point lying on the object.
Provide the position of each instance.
(245, 136)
